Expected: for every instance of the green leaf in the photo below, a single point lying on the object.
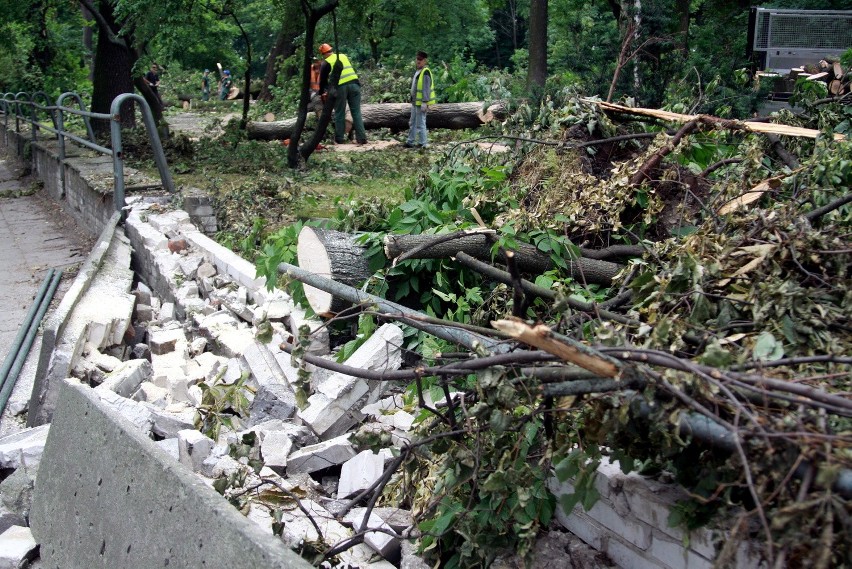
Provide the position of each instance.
(767, 348)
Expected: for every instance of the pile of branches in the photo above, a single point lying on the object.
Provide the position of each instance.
(720, 353)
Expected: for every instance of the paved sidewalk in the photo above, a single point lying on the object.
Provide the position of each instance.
(35, 236)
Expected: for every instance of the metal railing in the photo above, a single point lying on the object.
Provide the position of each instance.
(24, 108)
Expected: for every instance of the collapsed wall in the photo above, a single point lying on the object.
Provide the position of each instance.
(195, 317)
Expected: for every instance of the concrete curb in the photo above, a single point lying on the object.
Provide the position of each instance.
(56, 321)
(135, 507)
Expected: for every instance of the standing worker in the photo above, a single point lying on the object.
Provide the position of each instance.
(152, 78)
(205, 85)
(422, 95)
(348, 91)
(226, 85)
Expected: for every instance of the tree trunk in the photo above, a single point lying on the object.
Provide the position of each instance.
(537, 71)
(394, 116)
(271, 76)
(333, 255)
(682, 7)
(527, 257)
(114, 61)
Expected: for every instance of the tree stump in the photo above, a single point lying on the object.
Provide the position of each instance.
(334, 255)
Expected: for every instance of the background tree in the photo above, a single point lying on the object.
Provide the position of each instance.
(538, 41)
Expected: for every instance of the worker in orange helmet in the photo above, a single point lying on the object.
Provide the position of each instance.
(348, 92)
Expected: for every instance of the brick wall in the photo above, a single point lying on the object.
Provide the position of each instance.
(630, 524)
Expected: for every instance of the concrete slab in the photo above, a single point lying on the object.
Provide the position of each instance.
(135, 506)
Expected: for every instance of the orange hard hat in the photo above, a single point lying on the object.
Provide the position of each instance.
(325, 48)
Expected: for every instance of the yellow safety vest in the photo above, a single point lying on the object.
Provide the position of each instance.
(348, 74)
(431, 100)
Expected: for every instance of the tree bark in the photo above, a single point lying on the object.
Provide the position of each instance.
(528, 258)
(333, 255)
(537, 70)
(114, 61)
(394, 116)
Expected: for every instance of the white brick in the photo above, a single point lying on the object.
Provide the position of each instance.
(359, 473)
(17, 545)
(319, 456)
(23, 447)
(626, 555)
(673, 554)
(193, 448)
(275, 449)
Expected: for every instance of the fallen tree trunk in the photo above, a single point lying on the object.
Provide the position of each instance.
(752, 126)
(395, 116)
(333, 255)
(528, 258)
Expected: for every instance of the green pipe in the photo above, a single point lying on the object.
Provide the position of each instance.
(22, 331)
(21, 355)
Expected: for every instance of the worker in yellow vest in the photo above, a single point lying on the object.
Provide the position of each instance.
(348, 92)
(422, 95)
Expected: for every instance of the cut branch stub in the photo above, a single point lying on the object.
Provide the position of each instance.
(334, 255)
(578, 354)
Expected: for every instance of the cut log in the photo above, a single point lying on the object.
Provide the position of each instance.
(395, 116)
(527, 257)
(837, 69)
(835, 87)
(333, 255)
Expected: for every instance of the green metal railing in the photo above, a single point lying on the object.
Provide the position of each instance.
(25, 109)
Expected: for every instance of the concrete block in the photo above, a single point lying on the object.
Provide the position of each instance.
(319, 345)
(210, 365)
(397, 518)
(138, 414)
(673, 554)
(625, 554)
(205, 270)
(16, 497)
(332, 413)
(23, 448)
(166, 313)
(629, 528)
(197, 346)
(127, 377)
(150, 512)
(103, 362)
(170, 447)
(273, 401)
(144, 313)
(278, 309)
(232, 343)
(162, 341)
(152, 394)
(409, 558)
(190, 263)
(168, 422)
(385, 542)
(142, 293)
(359, 473)
(193, 448)
(299, 434)
(319, 456)
(262, 364)
(17, 546)
(275, 448)
(218, 466)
